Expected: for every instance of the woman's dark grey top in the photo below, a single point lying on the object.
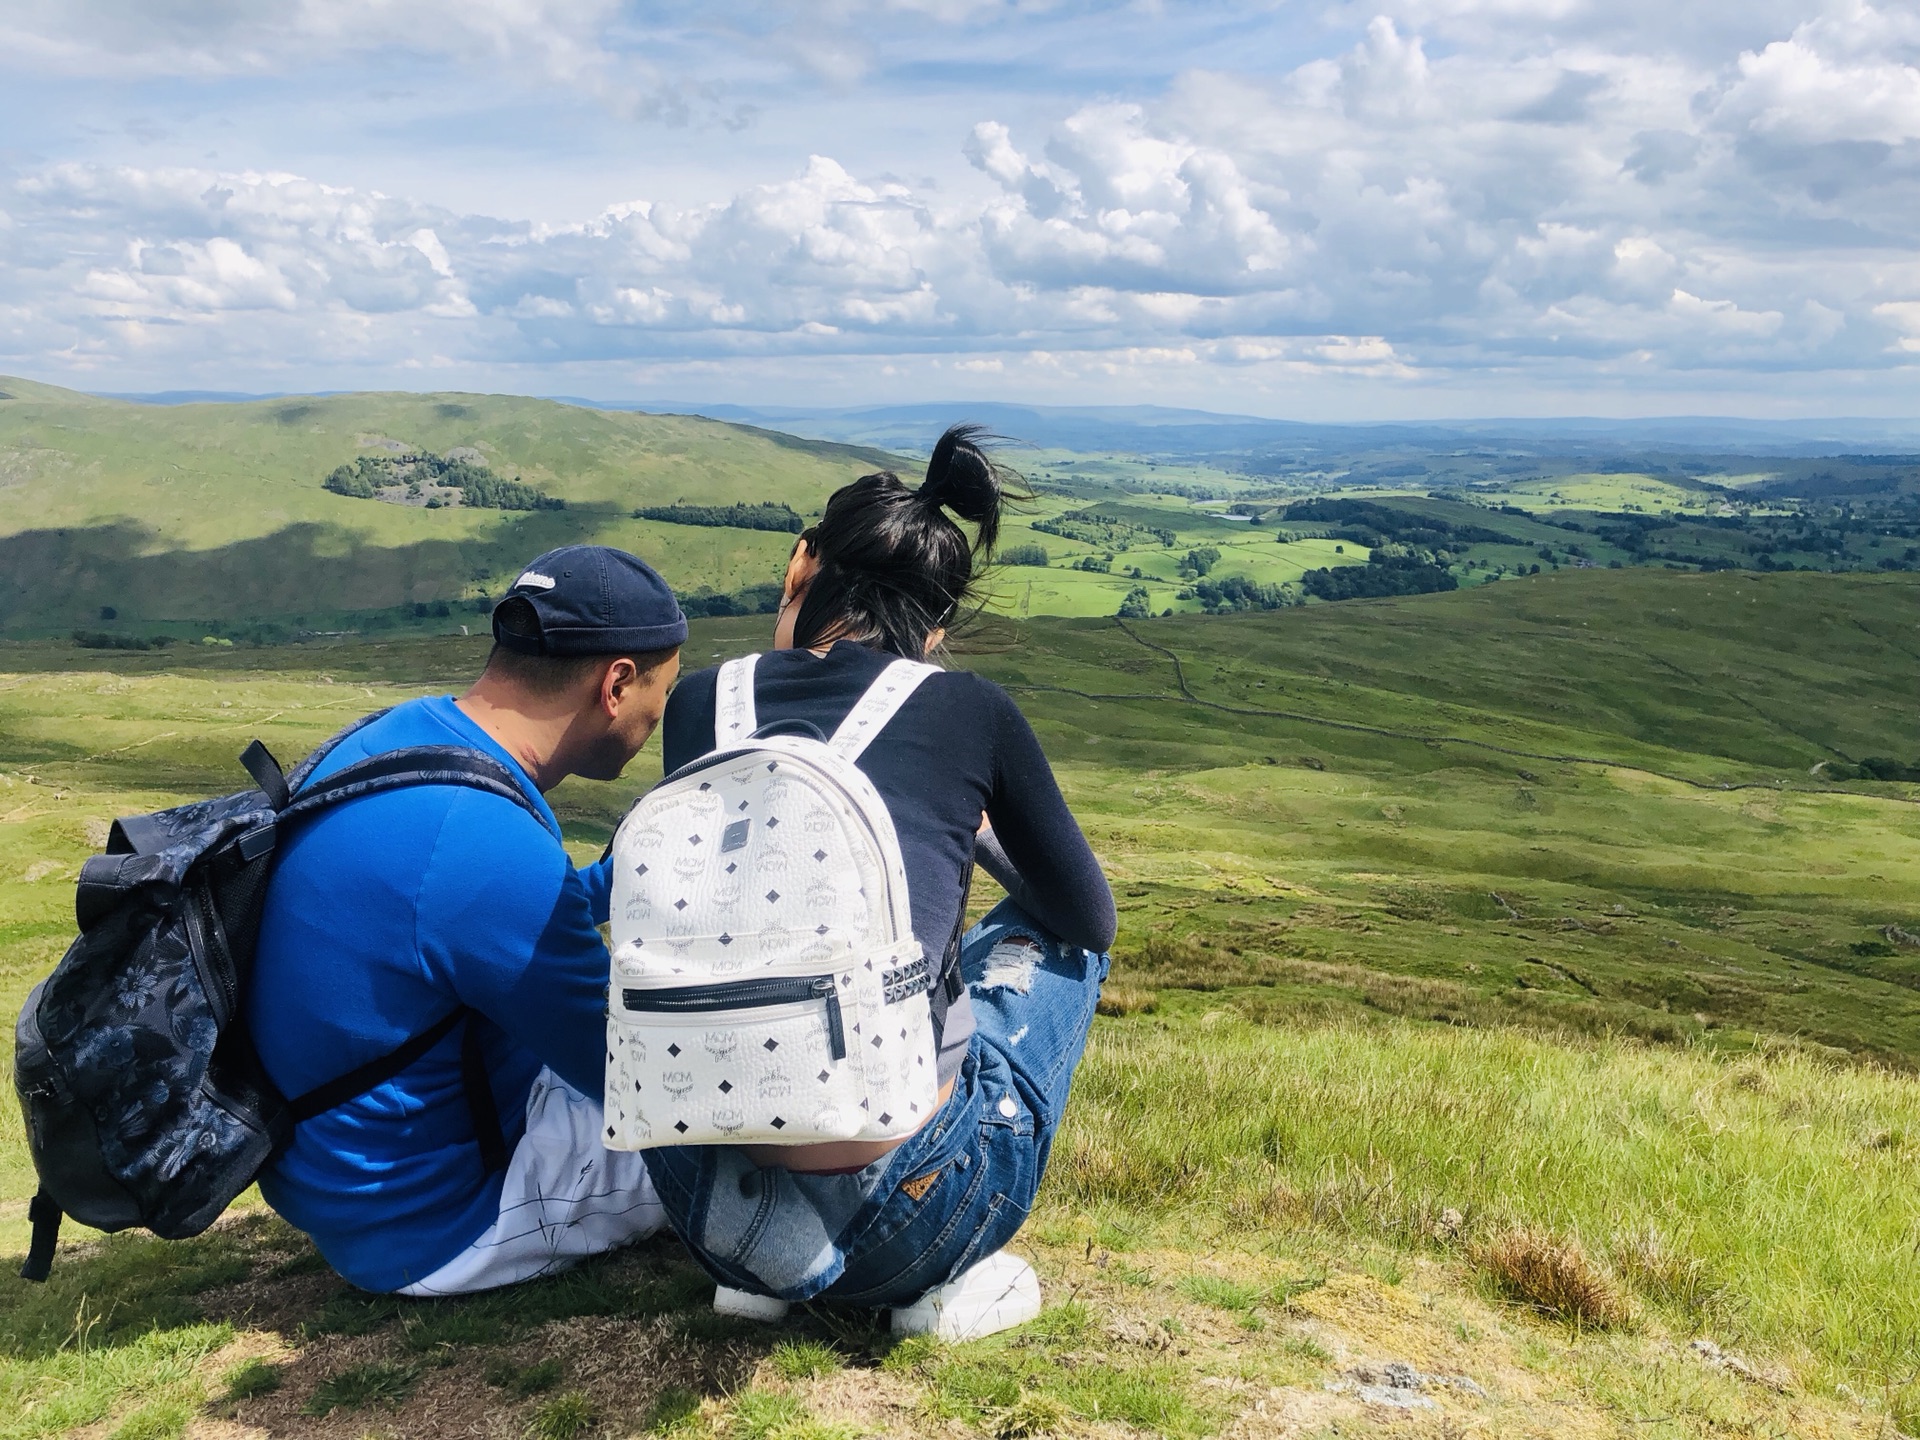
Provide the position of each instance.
(958, 747)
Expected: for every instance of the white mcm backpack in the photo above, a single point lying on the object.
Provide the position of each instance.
(766, 984)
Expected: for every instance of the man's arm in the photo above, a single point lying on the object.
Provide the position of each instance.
(597, 880)
(505, 919)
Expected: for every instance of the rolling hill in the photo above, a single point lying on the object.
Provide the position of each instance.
(189, 514)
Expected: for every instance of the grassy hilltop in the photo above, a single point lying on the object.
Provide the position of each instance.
(1497, 993)
(194, 513)
(271, 520)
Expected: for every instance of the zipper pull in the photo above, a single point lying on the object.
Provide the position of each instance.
(825, 989)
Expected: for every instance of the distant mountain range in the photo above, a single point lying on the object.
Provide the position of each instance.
(1160, 432)
(1163, 432)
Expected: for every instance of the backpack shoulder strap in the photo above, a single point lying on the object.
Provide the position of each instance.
(734, 718)
(881, 703)
(362, 1078)
(300, 772)
(474, 1081)
(415, 765)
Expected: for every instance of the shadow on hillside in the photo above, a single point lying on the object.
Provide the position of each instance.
(70, 577)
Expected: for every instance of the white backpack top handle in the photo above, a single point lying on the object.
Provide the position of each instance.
(735, 718)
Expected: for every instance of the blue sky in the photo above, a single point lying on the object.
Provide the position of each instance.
(1321, 211)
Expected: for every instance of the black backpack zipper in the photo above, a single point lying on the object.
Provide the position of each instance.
(747, 995)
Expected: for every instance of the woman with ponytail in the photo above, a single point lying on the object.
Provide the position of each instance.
(916, 1225)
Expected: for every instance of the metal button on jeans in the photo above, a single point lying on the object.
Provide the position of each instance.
(1007, 1107)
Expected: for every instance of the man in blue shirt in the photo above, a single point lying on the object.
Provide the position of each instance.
(388, 914)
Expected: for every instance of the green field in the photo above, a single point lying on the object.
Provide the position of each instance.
(1452, 925)
(1247, 550)
(1612, 492)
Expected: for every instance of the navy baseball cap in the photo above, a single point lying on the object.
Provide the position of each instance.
(593, 600)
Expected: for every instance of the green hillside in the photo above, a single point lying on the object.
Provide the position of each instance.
(217, 512)
(1465, 939)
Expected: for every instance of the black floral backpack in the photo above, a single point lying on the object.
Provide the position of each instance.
(144, 1099)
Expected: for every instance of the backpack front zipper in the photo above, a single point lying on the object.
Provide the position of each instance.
(747, 995)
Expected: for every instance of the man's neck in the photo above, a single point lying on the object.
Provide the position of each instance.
(532, 733)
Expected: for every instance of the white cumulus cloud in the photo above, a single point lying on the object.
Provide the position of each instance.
(1491, 187)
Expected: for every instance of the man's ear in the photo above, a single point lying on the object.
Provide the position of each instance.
(615, 683)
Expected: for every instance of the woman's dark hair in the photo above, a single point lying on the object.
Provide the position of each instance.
(894, 567)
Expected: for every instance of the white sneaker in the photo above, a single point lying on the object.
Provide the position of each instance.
(745, 1305)
(995, 1294)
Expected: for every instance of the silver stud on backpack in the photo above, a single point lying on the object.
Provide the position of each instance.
(766, 984)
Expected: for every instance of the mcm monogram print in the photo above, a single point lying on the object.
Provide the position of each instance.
(757, 901)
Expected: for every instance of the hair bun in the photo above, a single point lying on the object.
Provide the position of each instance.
(962, 478)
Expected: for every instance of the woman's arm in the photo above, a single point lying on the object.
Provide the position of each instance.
(1035, 840)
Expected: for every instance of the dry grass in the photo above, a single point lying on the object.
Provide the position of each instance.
(1123, 999)
(1555, 1275)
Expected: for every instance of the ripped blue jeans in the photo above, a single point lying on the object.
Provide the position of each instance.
(953, 1193)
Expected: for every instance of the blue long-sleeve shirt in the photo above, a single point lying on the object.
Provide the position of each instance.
(384, 915)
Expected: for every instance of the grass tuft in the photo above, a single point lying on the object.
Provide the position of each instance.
(762, 1414)
(251, 1379)
(447, 1324)
(1029, 1417)
(1221, 1293)
(352, 1315)
(911, 1353)
(1120, 999)
(804, 1359)
(769, 1415)
(166, 1420)
(1555, 1276)
(566, 1416)
(675, 1409)
(363, 1385)
(1650, 1263)
(1060, 1324)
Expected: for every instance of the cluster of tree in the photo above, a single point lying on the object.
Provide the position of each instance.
(749, 600)
(1109, 532)
(1366, 522)
(1384, 573)
(1199, 562)
(1035, 555)
(1134, 607)
(479, 487)
(1093, 564)
(106, 640)
(1839, 537)
(1230, 593)
(767, 515)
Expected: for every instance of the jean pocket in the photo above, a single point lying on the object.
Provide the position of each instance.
(906, 1250)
